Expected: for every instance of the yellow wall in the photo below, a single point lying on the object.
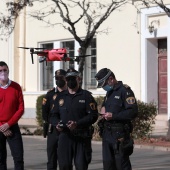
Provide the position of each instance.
(119, 50)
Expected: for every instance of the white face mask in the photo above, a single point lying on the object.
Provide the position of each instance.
(4, 76)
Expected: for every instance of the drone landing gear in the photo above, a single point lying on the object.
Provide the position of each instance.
(42, 59)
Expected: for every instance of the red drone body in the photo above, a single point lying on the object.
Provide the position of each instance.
(59, 54)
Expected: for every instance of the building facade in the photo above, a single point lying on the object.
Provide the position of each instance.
(136, 49)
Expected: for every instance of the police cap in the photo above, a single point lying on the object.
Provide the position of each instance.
(72, 72)
(102, 76)
(60, 72)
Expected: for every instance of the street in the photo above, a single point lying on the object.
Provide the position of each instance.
(142, 159)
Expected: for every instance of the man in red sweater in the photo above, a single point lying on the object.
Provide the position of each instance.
(11, 110)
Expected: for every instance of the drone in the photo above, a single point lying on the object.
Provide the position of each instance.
(59, 54)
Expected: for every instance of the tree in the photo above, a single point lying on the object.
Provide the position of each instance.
(92, 13)
(159, 3)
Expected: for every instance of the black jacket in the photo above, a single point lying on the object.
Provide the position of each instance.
(48, 103)
(121, 103)
(80, 107)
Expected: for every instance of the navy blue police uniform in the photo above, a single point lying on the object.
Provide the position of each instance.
(75, 144)
(49, 130)
(116, 140)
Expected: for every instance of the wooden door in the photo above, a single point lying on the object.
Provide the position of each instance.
(162, 76)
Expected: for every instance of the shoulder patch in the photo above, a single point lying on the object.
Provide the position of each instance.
(93, 106)
(54, 96)
(61, 102)
(44, 101)
(130, 100)
(126, 86)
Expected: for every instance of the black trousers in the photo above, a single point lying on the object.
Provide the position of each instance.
(112, 159)
(16, 146)
(52, 145)
(74, 149)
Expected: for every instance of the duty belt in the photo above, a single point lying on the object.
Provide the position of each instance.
(114, 127)
(84, 133)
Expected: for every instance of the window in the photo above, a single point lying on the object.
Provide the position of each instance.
(90, 67)
(47, 70)
(69, 45)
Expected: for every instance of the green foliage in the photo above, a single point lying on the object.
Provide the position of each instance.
(99, 101)
(143, 123)
(39, 110)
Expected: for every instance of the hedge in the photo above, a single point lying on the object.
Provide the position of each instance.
(142, 125)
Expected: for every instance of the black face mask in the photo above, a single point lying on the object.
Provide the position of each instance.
(72, 83)
(60, 83)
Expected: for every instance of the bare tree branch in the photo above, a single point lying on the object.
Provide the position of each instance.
(163, 6)
(159, 3)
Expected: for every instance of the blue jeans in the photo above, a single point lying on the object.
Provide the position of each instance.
(16, 146)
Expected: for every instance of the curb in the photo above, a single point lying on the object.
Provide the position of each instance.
(137, 146)
(159, 148)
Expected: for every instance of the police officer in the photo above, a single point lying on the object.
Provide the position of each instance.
(119, 108)
(76, 111)
(49, 130)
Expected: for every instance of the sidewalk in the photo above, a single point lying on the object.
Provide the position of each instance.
(35, 156)
(154, 143)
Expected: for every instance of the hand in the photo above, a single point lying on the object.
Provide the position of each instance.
(103, 111)
(108, 116)
(4, 127)
(71, 125)
(58, 128)
(7, 133)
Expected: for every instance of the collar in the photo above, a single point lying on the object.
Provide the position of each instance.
(79, 91)
(117, 85)
(7, 85)
(56, 90)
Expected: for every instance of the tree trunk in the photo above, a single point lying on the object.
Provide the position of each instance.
(82, 52)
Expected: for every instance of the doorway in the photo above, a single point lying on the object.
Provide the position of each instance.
(162, 76)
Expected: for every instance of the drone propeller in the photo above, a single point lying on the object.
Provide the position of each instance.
(24, 47)
(32, 51)
(32, 48)
(83, 56)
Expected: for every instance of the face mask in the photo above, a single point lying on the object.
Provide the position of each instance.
(108, 88)
(72, 84)
(4, 76)
(60, 83)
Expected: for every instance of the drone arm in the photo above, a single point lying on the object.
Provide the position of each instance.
(32, 58)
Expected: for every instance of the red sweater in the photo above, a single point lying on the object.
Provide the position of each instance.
(11, 104)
